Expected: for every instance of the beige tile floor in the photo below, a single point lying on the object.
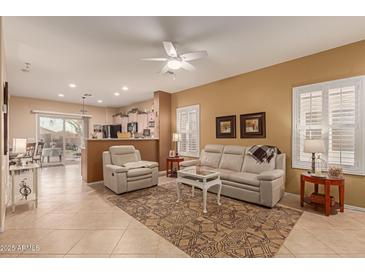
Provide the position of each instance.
(74, 219)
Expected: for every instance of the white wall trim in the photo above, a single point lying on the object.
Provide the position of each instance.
(44, 112)
(351, 207)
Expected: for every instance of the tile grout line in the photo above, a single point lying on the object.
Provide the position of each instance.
(125, 230)
(319, 239)
(75, 243)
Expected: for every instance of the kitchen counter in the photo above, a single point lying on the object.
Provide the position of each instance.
(122, 139)
(91, 155)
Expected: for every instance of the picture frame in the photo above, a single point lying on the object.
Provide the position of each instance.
(225, 126)
(172, 153)
(253, 125)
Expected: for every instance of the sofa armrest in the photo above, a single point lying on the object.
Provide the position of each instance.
(188, 163)
(116, 169)
(270, 175)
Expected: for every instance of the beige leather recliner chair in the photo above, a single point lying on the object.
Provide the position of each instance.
(124, 171)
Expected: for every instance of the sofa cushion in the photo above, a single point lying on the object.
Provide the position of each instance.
(224, 173)
(140, 164)
(252, 166)
(122, 154)
(138, 172)
(116, 169)
(137, 178)
(232, 158)
(210, 159)
(271, 175)
(189, 163)
(241, 186)
(214, 148)
(244, 178)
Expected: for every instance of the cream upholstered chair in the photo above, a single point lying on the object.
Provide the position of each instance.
(124, 171)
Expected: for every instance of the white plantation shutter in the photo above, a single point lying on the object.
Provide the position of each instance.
(331, 111)
(187, 124)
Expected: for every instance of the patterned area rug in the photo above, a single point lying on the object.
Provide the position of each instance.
(234, 229)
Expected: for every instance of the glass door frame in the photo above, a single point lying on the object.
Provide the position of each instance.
(64, 118)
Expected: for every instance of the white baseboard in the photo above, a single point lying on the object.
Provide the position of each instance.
(355, 208)
(351, 207)
(96, 182)
(162, 173)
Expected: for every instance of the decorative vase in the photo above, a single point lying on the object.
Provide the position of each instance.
(320, 165)
(334, 171)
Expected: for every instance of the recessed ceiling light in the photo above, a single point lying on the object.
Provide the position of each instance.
(116, 93)
(100, 101)
(61, 95)
(72, 85)
(125, 88)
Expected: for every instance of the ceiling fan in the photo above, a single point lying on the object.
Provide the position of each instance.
(175, 61)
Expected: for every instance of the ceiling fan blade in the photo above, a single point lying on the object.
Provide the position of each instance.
(165, 69)
(154, 59)
(187, 66)
(190, 56)
(170, 49)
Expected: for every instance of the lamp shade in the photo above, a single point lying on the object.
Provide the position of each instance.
(176, 137)
(19, 145)
(314, 146)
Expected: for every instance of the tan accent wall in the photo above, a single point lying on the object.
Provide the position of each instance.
(270, 90)
(163, 124)
(22, 123)
(144, 105)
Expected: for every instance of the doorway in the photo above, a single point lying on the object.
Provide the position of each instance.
(62, 138)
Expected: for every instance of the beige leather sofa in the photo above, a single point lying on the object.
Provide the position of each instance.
(242, 177)
(124, 171)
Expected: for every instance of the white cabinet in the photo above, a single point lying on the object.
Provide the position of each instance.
(117, 120)
(124, 122)
(132, 117)
(142, 122)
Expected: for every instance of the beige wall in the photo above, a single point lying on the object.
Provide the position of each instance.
(144, 105)
(3, 161)
(23, 123)
(270, 90)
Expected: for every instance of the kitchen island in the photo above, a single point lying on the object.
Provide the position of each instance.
(91, 155)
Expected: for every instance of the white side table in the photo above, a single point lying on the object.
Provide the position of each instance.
(17, 169)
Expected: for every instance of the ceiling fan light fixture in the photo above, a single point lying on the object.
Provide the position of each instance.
(174, 64)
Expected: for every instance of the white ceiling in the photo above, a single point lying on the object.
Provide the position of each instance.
(102, 54)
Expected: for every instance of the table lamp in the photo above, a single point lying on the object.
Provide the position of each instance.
(314, 146)
(19, 148)
(19, 145)
(176, 137)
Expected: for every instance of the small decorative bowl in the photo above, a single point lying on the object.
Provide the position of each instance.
(335, 171)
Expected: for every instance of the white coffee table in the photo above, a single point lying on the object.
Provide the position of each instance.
(201, 178)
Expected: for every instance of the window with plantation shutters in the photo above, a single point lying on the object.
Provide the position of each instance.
(187, 125)
(332, 111)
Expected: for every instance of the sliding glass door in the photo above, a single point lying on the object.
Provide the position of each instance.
(73, 140)
(62, 138)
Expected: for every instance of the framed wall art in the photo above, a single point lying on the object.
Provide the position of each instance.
(225, 126)
(253, 125)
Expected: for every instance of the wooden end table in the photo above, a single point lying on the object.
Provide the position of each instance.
(327, 182)
(170, 165)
